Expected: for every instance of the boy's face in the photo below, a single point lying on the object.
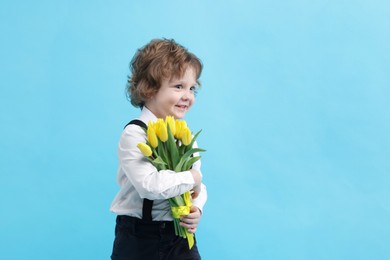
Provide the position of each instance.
(175, 96)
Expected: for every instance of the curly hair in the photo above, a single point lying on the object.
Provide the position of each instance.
(158, 60)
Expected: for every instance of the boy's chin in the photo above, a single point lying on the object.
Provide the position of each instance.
(179, 115)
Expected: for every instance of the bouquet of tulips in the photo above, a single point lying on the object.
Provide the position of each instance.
(169, 147)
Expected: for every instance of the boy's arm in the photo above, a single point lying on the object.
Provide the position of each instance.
(147, 180)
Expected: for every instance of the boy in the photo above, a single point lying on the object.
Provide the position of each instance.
(163, 81)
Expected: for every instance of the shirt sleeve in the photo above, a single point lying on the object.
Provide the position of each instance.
(200, 201)
(147, 180)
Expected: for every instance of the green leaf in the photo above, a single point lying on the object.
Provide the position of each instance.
(172, 148)
(188, 164)
(192, 151)
(155, 154)
(159, 160)
(176, 201)
(159, 163)
(161, 151)
(192, 141)
(182, 149)
(179, 166)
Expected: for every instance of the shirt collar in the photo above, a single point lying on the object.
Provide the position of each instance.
(147, 115)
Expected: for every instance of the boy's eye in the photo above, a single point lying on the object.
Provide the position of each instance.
(194, 90)
(179, 86)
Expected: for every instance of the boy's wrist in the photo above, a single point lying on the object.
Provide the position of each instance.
(197, 177)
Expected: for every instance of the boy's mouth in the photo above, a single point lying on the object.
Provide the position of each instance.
(183, 107)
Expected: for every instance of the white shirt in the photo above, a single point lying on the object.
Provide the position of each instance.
(139, 179)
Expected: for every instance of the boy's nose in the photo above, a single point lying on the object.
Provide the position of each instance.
(186, 95)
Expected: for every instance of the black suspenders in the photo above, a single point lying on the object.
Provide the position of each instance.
(148, 204)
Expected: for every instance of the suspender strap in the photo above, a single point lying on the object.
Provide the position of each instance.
(147, 204)
(147, 210)
(138, 123)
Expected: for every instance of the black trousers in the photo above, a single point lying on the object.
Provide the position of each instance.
(137, 239)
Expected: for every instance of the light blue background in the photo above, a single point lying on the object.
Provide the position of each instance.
(294, 110)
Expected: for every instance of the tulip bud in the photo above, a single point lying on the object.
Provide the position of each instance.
(180, 125)
(152, 137)
(171, 123)
(178, 129)
(145, 149)
(161, 130)
(186, 136)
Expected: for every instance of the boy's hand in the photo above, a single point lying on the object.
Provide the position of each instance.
(191, 220)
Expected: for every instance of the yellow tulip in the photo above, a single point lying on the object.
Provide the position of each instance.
(145, 149)
(152, 137)
(186, 136)
(171, 123)
(153, 125)
(180, 125)
(161, 130)
(177, 126)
